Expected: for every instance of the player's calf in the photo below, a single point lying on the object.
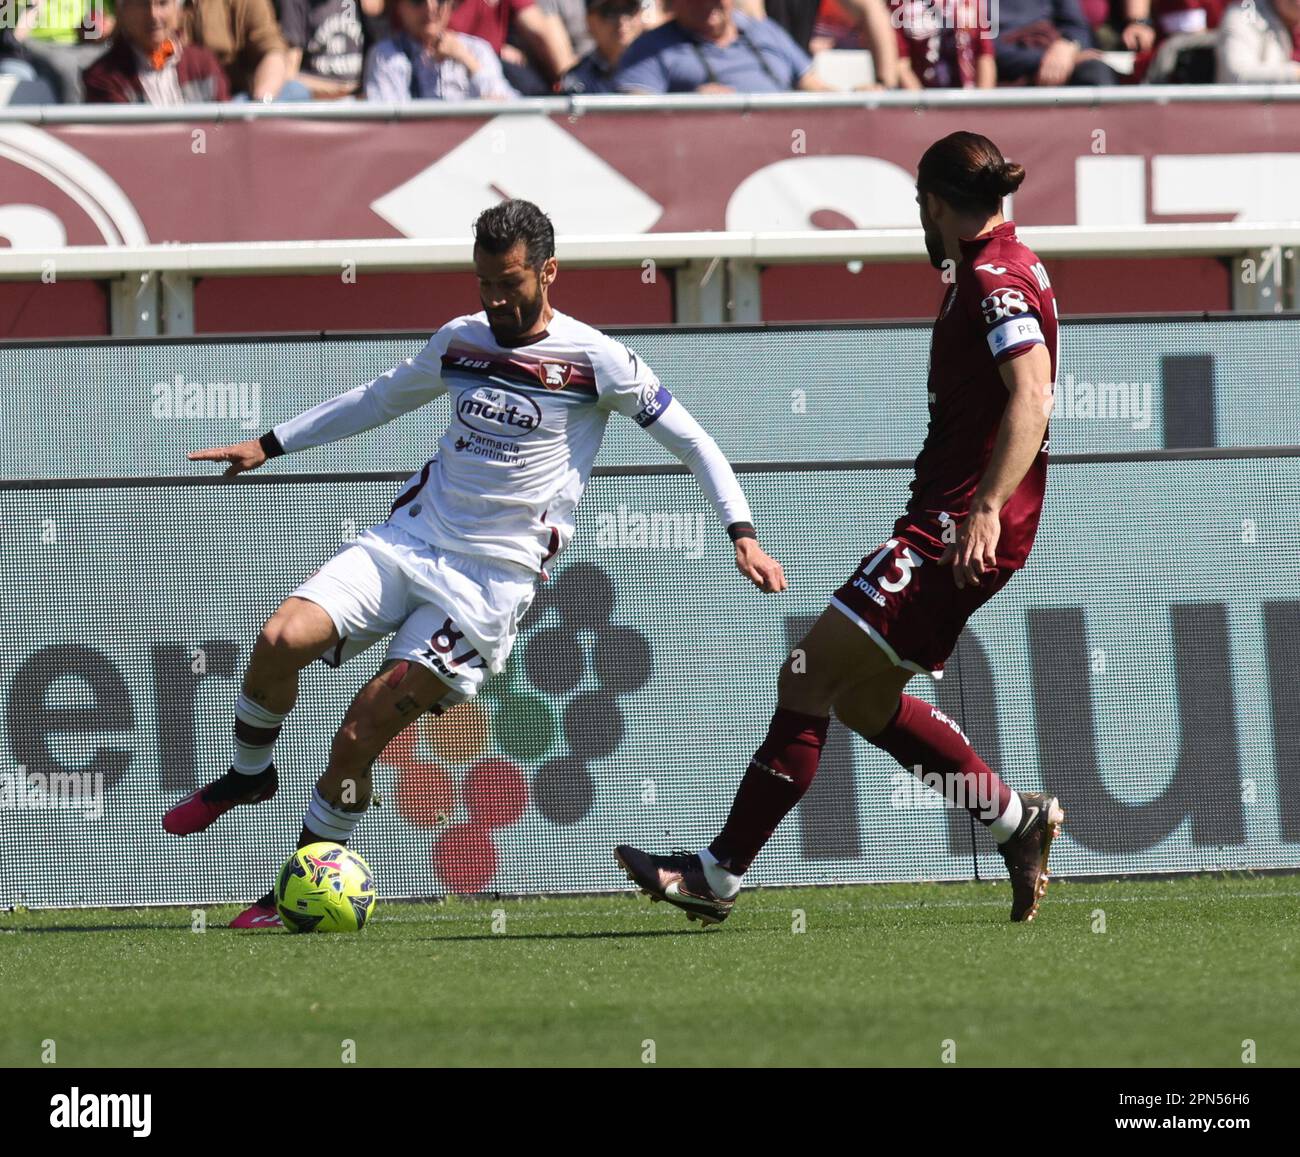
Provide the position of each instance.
(298, 632)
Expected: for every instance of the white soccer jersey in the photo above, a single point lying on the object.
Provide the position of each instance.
(526, 423)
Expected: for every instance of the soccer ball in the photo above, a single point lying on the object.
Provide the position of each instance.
(325, 888)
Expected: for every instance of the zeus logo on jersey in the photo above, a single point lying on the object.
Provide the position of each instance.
(493, 411)
(1003, 302)
(654, 401)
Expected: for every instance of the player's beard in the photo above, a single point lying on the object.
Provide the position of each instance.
(511, 326)
(934, 248)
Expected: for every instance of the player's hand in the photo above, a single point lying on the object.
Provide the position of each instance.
(758, 566)
(975, 552)
(241, 456)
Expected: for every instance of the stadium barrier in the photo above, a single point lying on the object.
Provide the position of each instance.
(681, 180)
(1143, 665)
(152, 286)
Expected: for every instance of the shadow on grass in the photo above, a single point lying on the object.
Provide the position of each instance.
(100, 928)
(564, 935)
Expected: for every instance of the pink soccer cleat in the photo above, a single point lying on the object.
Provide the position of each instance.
(201, 809)
(262, 914)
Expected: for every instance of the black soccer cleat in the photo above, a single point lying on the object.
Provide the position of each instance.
(678, 878)
(1025, 853)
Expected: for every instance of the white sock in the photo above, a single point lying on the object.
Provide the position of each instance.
(249, 759)
(329, 822)
(724, 884)
(1004, 827)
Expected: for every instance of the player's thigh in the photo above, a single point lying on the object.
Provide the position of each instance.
(868, 705)
(364, 594)
(834, 655)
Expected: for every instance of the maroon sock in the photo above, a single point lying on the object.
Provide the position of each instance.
(929, 744)
(778, 775)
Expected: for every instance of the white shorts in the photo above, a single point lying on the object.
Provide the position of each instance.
(455, 614)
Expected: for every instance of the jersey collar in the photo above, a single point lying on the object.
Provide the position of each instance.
(532, 339)
(969, 245)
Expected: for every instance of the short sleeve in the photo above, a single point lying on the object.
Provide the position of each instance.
(799, 61)
(642, 68)
(261, 30)
(627, 385)
(1006, 304)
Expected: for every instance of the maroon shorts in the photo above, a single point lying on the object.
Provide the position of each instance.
(910, 605)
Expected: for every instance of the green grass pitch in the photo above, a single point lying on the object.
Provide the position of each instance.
(1184, 972)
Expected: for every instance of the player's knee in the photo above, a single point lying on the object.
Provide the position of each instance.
(295, 635)
(277, 640)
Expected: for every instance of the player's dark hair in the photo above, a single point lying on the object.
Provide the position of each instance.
(500, 228)
(969, 172)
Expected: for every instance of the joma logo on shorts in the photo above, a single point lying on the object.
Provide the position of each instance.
(874, 595)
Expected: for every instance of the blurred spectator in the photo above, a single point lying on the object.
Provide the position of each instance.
(708, 47)
(613, 25)
(326, 44)
(59, 38)
(426, 60)
(32, 87)
(522, 23)
(572, 14)
(1047, 42)
(941, 45)
(147, 63)
(244, 37)
(1174, 17)
(834, 28)
(1258, 42)
(655, 13)
(868, 19)
(1120, 25)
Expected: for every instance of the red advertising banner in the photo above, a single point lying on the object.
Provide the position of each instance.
(787, 167)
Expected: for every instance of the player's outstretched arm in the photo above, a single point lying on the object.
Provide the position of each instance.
(241, 456)
(758, 566)
(677, 431)
(405, 387)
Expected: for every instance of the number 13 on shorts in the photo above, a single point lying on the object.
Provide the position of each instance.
(902, 562)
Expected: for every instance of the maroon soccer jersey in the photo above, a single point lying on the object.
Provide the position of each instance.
(1000, 306)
